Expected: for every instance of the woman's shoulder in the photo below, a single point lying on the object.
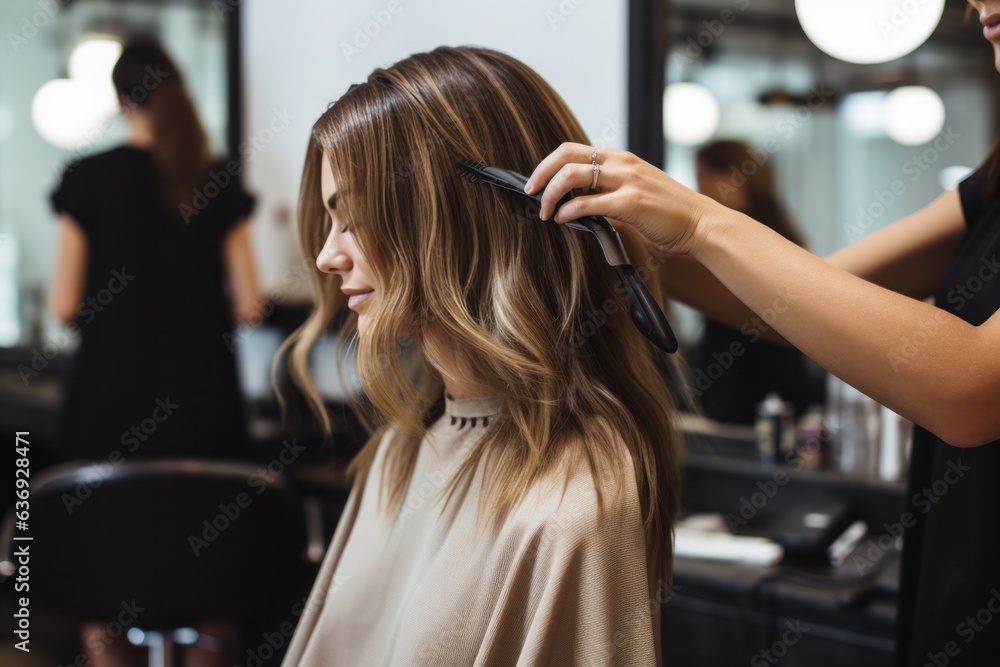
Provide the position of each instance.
(98, 163)
(581, 498)
(116, 154)
(82, 175)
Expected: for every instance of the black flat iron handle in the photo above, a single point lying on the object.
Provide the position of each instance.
(646, 314)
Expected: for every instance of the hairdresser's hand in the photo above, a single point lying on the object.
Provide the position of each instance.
(629, 190)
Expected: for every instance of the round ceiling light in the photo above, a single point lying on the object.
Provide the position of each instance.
(868, 31)
(67, 113)
(94, 58)
(690, 113)
(913, 115)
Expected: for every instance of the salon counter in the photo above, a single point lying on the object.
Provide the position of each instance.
(724, 613)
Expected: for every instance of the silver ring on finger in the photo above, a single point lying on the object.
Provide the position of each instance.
(596, 175)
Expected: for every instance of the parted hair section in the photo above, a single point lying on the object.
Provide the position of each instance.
(528, 308)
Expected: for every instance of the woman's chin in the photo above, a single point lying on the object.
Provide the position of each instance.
(365, 322)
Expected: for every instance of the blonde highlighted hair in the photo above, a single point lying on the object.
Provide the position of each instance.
(530, 309)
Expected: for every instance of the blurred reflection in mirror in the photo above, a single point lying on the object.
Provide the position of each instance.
(741, 368)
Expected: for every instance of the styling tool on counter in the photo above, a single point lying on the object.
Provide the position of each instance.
(821, 531)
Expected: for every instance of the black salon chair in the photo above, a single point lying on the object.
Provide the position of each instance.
(161, 545)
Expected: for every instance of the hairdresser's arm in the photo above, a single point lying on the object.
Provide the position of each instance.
(920, 361)
(909, 257)
(242, 273)
(68, 280)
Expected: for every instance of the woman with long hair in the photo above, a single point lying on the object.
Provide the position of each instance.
(514, 504)
(758, 367)
(861, 315)
(154, 266)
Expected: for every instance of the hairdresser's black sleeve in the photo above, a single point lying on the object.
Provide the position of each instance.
(74, 194)
(237, 202)
(972, 192)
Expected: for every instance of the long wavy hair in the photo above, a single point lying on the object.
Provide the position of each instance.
(145, 77)
(515, 301)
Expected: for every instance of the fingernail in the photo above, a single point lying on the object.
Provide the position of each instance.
(529, 187)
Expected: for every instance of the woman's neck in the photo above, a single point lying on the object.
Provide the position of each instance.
(140, 140)
(457, 381)
(141, 135)
(461, 391)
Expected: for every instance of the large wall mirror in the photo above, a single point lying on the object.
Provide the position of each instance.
(837, 133)
(57, 105)
(858, 114)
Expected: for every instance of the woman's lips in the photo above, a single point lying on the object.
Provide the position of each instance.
(991, 27)
(357, 299)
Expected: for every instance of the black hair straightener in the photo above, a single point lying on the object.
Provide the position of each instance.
(646, 314)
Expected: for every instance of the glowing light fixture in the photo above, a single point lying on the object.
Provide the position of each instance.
(913, 115)
(68, 113)
(690, 113)
(868, 31)
(93, 59)
(71, 112)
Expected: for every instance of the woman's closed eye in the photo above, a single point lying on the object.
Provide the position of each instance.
(332, 204)
(329, 226)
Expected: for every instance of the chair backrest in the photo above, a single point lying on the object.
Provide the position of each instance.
(180, 540)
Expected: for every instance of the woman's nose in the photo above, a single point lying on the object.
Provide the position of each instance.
(332, 257)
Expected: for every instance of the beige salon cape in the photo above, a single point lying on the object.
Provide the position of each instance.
(552, 586)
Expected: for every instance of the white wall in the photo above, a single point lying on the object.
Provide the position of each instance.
(295, 64)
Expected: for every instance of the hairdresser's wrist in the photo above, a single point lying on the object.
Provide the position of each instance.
(713, 231)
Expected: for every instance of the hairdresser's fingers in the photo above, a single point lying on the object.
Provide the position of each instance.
(630, 190)
(575, 176)
(602, 204)
(551, 163)
(570, 176)
(621, 207)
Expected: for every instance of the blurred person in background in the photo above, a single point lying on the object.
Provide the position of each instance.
(154, 266)
(756, 367)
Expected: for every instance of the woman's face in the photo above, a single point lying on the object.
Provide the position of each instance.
(989, 17)
(341, 256)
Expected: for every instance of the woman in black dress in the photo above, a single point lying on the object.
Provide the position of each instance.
(154, 267)
(860, 314)
(150, 233)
